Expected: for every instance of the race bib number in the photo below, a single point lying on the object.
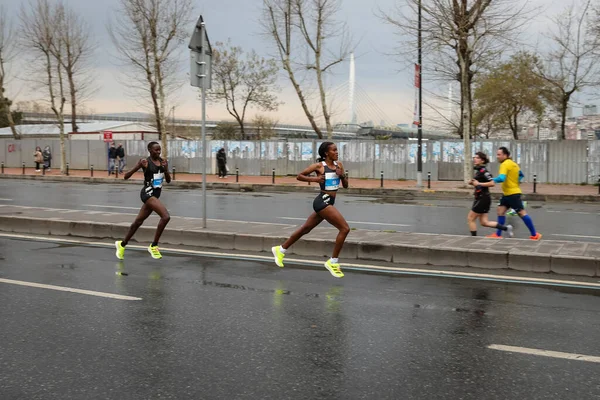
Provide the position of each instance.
(332, 181)
(157, 180)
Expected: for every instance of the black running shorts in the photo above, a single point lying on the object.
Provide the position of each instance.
(482, 204)
(148, 192)
(513, 201)
(322, 201)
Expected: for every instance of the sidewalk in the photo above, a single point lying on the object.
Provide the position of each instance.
(394, 248)
(545, 192)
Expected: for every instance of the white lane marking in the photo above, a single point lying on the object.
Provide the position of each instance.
(68, 289)
(545, 353)
(574, 212)
(6, 199)
(352, 222)
(422, 271)
(117, 207)
(577, 236)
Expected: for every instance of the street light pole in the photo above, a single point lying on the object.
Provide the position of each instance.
(420, 127)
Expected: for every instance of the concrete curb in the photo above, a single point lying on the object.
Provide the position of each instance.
(404, 194)
(451, 252)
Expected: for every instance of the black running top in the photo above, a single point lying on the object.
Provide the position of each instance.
(332, 179)
(154, 175)
(482, 175)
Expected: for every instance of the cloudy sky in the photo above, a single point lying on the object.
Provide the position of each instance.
(381, 76)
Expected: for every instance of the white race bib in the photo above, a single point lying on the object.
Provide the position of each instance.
(157, 180)
(332, 181)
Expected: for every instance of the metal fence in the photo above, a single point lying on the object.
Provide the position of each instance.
(552, 161)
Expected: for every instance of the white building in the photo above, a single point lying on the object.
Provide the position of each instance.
(121, 131)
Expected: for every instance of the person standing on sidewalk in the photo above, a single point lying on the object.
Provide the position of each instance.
(47, 156)
(38, 158)
(121, 157)
(330, 173)
(510, 176)
(112, 158)
(482, 181)
(155, 171)
(222, 163)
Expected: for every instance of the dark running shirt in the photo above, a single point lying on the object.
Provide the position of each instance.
(154, 175)
(482, 175)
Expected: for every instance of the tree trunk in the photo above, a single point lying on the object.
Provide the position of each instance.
(466, 119)
(11, 123)
(563, 118)
(311, 118)
(73, 102)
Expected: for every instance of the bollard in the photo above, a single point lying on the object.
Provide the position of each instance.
(429, 180)
(534, 183)
(92, 170)
(2, 168)
(381, 178)
(173, 173)
(598, 184)
(273, 180)
(67, 169)
(116, 172)
(44, 170)
(237, 174)
(23, 168)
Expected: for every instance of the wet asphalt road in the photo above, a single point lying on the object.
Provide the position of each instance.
(218, 329)
(555, 221)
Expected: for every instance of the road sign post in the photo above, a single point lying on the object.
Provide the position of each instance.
(200, 77)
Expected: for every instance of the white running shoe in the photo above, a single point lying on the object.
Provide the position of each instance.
(509, 230)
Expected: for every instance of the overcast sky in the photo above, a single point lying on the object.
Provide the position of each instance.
(380, 75)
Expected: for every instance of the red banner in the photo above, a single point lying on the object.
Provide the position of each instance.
(417, 86)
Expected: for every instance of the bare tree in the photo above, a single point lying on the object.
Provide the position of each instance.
(7, 55)
(460, 38)
(311, 23)
(39, 37)
(77, 48)
(573, 63)
(148, 35)
(243, 82)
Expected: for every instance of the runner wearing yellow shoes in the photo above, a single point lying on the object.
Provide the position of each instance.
(155, 171)
(330, 173)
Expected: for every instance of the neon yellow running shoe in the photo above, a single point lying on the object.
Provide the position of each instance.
(120, 250)
(276, 250)
(334, 269)
(153, 250)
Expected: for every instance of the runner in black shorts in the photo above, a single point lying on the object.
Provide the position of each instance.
(482, 181)
(155, 171)
(330, 173)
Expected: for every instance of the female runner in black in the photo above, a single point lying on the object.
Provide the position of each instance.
(155, 171)
(330, 173)
(482, 181)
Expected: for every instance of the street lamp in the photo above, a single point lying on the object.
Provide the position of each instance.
(200, 76)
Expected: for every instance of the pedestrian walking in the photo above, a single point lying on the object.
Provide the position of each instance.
(112, 158)
(47, 157)
(38, 158)
(222, 163)
(121, 157)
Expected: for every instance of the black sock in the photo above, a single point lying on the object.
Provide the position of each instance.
(502, 227)
(154, 244)
(473, 233)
